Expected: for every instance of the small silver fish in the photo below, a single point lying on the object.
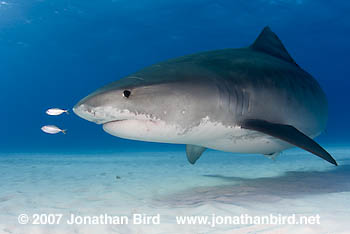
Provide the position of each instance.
(52, 129)
(56, 111)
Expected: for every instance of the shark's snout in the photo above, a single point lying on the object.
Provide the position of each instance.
(87, 109)
(103, 107)
(98, 115)
(84, 111)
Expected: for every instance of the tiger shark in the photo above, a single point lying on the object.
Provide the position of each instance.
(247, 100)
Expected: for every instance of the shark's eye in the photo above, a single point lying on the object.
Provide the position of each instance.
(126, 93)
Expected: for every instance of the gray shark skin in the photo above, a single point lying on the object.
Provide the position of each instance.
(246, 100)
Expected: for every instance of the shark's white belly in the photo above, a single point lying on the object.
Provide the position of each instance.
(207, 134)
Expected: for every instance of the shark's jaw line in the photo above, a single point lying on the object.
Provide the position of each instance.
(105, 115)
(124, 120)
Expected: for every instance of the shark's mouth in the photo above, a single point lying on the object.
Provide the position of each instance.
(125, 120)
(112, 121)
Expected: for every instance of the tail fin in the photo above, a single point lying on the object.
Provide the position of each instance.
(64, 131)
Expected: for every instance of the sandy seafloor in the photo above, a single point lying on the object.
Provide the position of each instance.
(165, 183)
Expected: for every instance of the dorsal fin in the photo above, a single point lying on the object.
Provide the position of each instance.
(269, 43)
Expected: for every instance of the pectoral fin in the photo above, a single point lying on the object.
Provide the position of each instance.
(289, 134)
(194, 152)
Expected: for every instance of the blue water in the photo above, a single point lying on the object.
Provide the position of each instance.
(54, 52)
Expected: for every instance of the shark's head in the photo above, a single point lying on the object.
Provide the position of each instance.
(151, 105)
